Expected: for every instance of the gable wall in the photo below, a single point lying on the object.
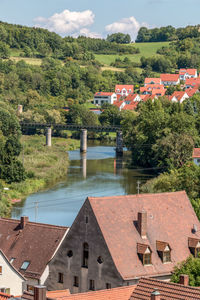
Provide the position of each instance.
(79, 233)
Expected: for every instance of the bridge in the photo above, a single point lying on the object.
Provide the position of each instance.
(76, 127)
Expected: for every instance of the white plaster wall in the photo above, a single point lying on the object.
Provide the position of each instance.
(10, 277)
(44, 276)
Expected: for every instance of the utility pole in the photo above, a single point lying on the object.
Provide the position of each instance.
(36, 210)
(138, 187)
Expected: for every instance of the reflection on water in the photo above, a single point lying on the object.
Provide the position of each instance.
(96, 173)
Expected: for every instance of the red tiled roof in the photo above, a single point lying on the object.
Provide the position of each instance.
(189, 71)
(191, 91)
(131, 106)
(150, 80)
(117, 215)
(131, 97)
(118, 104)
(167, 290)
(4, 296)
(192, 81)
(119, 293)
(196, 152)
(159, 92)
(35, 243)
(103, 94)
(58, 294)
(124, 86)
(169, 77)
(178, 94)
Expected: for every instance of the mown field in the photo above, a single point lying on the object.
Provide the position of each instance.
(146, 49)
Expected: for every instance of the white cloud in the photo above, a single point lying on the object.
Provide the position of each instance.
(88, 33)
(126, 25)
(67, 22)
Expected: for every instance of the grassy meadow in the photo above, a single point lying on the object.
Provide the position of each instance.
(146, 49)
(45, 165)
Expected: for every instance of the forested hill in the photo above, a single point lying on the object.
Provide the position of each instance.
(168, 33)
(37, 42)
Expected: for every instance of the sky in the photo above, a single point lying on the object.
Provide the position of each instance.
(98, 18)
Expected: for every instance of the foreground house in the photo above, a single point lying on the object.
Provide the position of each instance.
(187, 73)
(28, 247)
(104, 97)
(116, 240)
(192, 83)
(179, 96)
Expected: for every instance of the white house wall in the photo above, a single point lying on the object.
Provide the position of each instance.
(10, 278)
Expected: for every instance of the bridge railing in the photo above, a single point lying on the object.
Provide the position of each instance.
(72, 127)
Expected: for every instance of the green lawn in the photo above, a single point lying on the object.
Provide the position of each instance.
(146, 49)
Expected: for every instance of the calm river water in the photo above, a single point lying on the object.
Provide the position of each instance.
(98, 173)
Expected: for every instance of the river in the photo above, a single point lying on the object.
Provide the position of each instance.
(97, 173)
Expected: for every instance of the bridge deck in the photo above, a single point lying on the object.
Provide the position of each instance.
(72, 127)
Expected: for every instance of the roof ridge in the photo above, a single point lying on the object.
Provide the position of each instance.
(34, 223)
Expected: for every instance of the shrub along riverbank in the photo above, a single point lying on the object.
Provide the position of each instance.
(44, 166)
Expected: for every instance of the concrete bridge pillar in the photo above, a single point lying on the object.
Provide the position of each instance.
(48, 137)
(83, 147)
(119, 143)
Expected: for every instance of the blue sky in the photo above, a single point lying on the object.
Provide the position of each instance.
(100, 17)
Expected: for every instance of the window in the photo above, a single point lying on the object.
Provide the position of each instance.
(25, 265)
(92, 286)
(147, 259)
(86, 219)
(70, 253)
(85, 255)
(166, 256)
(100, 260)
(0, 270)
(60, 277)
(76, 281)
(108, 285)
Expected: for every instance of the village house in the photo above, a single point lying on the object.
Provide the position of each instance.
(11, 280)
(169, 79)
(192, 83)
(114, 241)
(191, 91)
(187, 73)
(104, 97)
(26, 251)
(196, 156)
(152, 81)
(179, 96)
(124, 89)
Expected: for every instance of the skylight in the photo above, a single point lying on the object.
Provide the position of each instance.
(25, 265)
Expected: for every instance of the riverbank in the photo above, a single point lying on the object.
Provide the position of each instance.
(44, 165)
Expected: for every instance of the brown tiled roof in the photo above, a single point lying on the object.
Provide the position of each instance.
(170, 217)
(160, 246)
(35, 243)
(141, 248)
(119, 293)
(192, 243)
(196, 152)
(167, 290)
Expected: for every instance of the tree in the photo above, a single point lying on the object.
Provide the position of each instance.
(190, 267)
(119, 38)
(4, 50)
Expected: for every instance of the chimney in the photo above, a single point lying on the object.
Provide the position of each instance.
(155, 295)
(24, 221)
(39, 292)
(142, 224)
(184, 279)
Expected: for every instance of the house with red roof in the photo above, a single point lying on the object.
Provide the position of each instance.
(169, 79)
(196, 156)
(191, 91)
(132, 98)
(152, 81)
(187, 73)
(26, 250)
(179, 96)
(153, 89)
(114, 241)
(104, 97)
(192, 83)
(124, 89)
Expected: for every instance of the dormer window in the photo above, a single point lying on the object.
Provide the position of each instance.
(25, 265)
(164, 251)
(194, 246)
(144, 253)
